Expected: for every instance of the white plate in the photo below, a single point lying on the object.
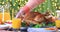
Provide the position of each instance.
(5, 26)
(39, 30)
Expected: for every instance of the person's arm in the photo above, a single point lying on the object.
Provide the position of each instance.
(31, 4)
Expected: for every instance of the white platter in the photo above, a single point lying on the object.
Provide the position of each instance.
(39, 30)
(4, 26)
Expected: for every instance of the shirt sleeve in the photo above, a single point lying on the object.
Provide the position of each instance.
(31, 4)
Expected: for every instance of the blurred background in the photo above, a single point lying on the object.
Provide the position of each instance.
(13, 6)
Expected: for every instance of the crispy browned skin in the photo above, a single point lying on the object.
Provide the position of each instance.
(36, 18)
(31, 15)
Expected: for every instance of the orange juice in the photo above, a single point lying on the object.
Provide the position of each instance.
(16, 23)
(57, 23)
(6, 16)
(0, 21)
(0, 16)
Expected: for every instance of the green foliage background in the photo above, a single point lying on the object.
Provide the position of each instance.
(15, 6)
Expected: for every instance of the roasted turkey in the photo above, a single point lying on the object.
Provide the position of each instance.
(37, 18)
(34, 17)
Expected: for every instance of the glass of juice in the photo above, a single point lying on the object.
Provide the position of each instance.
(16, 23)
(57, 22)
(4, 13)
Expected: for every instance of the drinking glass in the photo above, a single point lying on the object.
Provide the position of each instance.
(16, 24)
